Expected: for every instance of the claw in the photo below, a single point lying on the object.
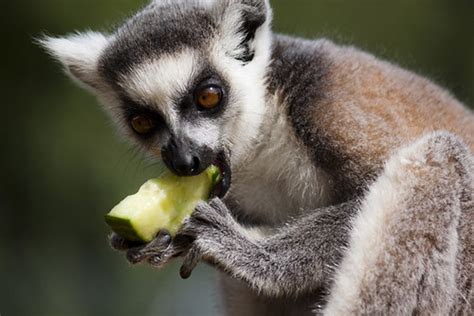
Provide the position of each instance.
(156, 246)
(190, 262)
(135, 256)
(163, 238)
(156, 261)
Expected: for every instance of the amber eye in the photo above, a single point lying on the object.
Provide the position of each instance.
(142, 124)
(209, 97)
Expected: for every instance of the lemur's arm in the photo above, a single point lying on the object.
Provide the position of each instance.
(299, 257)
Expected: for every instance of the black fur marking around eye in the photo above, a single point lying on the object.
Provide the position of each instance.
(131, 109)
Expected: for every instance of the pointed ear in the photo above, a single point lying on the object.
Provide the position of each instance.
(79, 54)
(242, 20)
(255, 11)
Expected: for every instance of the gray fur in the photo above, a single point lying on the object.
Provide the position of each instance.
(273, 266)
(344, 200)
(299, 71)
(427, 231)
(142, 38)
(158, 30)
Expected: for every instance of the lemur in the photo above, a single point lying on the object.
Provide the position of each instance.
(349, 181)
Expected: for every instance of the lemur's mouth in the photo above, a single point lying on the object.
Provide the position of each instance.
(222, 162)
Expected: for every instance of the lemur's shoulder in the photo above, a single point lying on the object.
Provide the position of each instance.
(352, 110)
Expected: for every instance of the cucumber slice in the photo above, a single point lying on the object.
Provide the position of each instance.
(161, 203)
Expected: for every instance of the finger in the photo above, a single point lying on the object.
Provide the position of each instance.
(219, 206)
(190, 262)
(201, 214)
(119, 243)
(160, 259)
(153, 248)
(181, 243)
(135, 256)
(161, 241)
(186, 231)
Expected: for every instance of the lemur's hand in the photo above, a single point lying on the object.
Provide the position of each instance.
(203, 234)
(158, 252)
(213, 230)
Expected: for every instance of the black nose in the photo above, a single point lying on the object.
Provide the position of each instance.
(180, 159)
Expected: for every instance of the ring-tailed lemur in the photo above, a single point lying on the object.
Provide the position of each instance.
(344, 198)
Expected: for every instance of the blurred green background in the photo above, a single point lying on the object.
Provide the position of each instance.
(62, 166)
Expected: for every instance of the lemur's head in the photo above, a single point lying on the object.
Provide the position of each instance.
(184, 78)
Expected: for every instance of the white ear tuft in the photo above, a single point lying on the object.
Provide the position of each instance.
(243, 24)
(79, 54)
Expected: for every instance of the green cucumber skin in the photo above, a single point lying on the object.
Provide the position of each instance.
(123, 227)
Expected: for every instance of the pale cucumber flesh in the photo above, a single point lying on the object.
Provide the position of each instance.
(160, 203)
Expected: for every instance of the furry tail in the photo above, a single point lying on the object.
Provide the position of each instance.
(411, 247)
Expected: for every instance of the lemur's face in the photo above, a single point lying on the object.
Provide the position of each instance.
(185, 79)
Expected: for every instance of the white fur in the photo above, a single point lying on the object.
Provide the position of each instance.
(248, 82)
(165, 3)
(367, 232)
(229, 38)
(267, 160)
(373, 240)
(158, 82)
(279, 171)
(203, 134)
(79, 54)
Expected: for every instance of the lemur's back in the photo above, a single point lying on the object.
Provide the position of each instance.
(353, 110)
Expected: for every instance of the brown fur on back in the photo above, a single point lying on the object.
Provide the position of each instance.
(383, 106)
(362, 109)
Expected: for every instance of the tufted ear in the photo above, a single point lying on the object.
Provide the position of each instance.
(242, 20)
(79, 54)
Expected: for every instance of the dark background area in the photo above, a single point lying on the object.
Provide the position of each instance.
(62, 167)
